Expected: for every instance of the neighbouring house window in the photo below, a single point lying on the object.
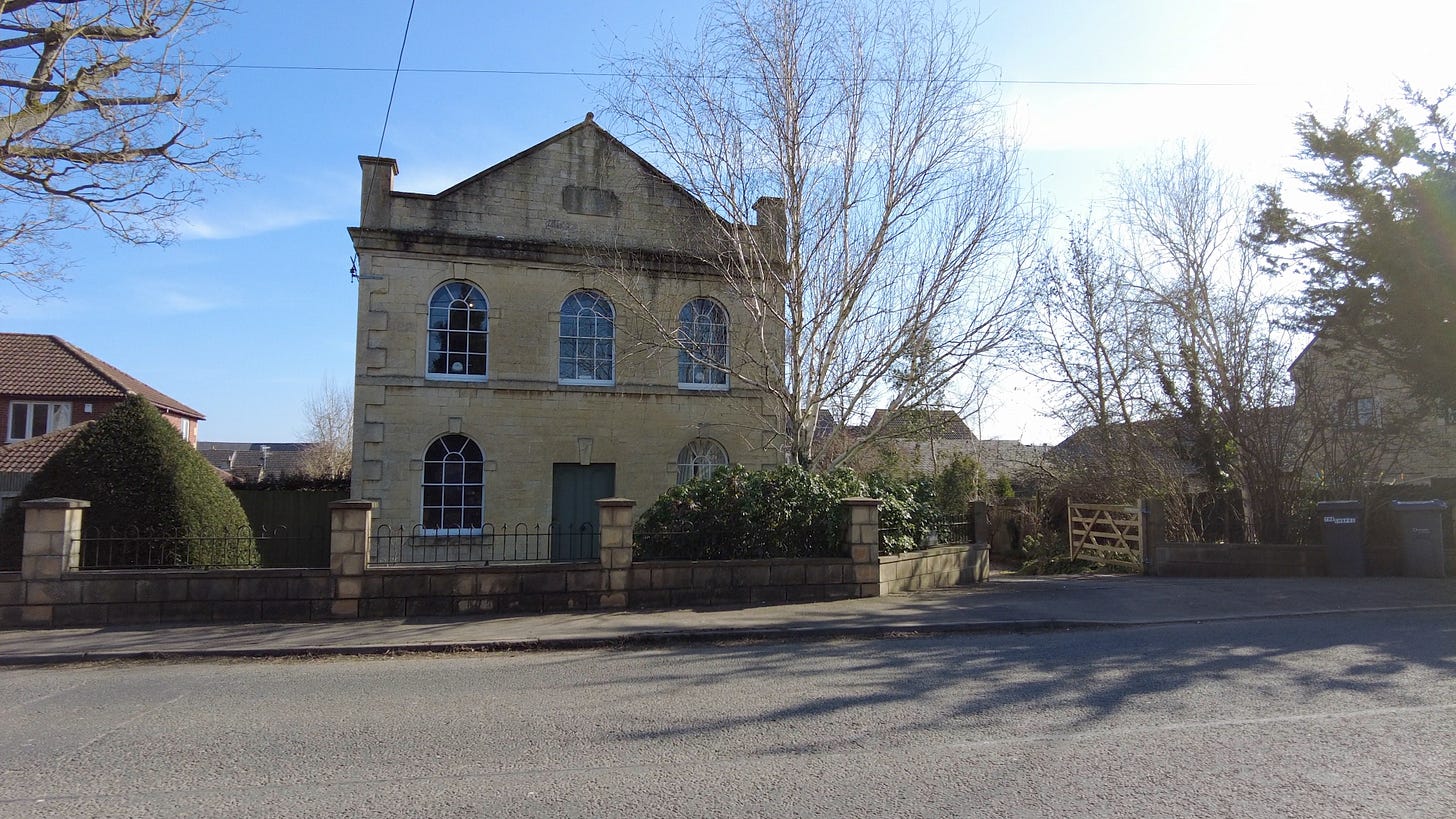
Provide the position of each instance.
(702, 361)
(454, 486)
(457, 332)
(587, 339)
(184, 426)
(700, 459)
(1361, 412)
(28, 420)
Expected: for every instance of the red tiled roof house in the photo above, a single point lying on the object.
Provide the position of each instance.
(47, 385)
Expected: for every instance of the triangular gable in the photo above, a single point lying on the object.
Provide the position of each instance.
(582, 185)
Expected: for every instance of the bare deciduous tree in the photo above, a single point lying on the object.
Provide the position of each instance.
(1086, 341)
(1215, 349)
(1184, 219)
(1085, 332)
(873, 127)
(101, 126)
(329, 427)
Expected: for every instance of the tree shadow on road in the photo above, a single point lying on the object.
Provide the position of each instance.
(1098, 677)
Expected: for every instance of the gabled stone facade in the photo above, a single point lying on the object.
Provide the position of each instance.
(557, 408)
(1364, 418)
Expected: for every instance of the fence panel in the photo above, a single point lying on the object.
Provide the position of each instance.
(304, 513)
(1105, 533)
(520, 543)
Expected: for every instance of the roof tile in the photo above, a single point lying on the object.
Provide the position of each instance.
(38, 365)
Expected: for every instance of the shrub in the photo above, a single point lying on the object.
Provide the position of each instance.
(737, 514)
(957, 484)
(140, 476)
(907, 510)
(783, 512)
(1044, 555)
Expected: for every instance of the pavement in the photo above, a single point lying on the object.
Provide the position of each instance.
(1003, 604)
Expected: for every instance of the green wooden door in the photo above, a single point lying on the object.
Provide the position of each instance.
(575, 527)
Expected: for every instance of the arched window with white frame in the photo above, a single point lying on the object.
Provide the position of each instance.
(588, 333)
(458, 332)
(453, 486)
(700, 459)
(702, 359)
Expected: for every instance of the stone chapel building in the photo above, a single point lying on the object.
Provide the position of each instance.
(511, 363)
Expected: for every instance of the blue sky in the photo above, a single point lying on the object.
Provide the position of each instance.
(253, 308)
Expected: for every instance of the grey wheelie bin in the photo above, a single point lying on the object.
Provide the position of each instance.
(1342, 524)
(1422, 537)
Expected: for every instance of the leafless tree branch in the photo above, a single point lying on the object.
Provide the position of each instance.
(101, 125)
(897, 210)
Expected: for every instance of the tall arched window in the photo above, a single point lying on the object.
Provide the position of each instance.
(700, 459)
(457, 331)
(454, 486)
(702, 361)
(587, 334)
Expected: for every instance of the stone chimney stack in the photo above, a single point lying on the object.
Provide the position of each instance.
(772, 227)
(374, 205)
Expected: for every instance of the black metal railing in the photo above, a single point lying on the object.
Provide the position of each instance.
(519, 543)
(689, 544)
(910, 537)
(241, 547)
(952, 531)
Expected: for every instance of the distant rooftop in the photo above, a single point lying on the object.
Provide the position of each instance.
(255, 461)
(943, 424)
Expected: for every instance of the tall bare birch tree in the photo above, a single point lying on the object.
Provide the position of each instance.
(101, 125)
(870, 133)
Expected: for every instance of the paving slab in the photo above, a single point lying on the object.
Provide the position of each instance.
(1002, 604)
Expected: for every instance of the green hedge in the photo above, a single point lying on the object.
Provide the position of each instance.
(784, 512)
(140, 476)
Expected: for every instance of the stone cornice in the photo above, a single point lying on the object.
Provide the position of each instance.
(459, 246)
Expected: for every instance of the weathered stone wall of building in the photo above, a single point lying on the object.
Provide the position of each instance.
(1394, 437)
(578, 212)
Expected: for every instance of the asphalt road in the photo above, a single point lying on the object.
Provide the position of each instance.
(1342, 715)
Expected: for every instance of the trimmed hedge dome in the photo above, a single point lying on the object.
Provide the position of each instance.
(142, 477)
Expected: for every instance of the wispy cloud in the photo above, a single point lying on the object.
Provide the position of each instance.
(251, 221)
(172, 302)
(286, 202)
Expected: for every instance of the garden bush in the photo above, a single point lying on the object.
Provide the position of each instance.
(907, 510)
(783, 512)
(142, 477)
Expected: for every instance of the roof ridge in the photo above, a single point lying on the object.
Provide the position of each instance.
(95, 364)
(126, 382)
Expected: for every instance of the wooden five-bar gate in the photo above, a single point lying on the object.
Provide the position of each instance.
(1107, 533)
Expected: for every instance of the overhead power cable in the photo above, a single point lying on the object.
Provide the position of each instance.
(522, 72)
(395, 84)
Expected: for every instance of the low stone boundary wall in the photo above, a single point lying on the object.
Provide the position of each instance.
(935, 568)
(669, 583)
(430, 591)
(102, 598)
(1238, 560)
(52, 590)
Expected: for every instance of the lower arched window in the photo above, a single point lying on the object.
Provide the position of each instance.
(454, 486)
(700, 459)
